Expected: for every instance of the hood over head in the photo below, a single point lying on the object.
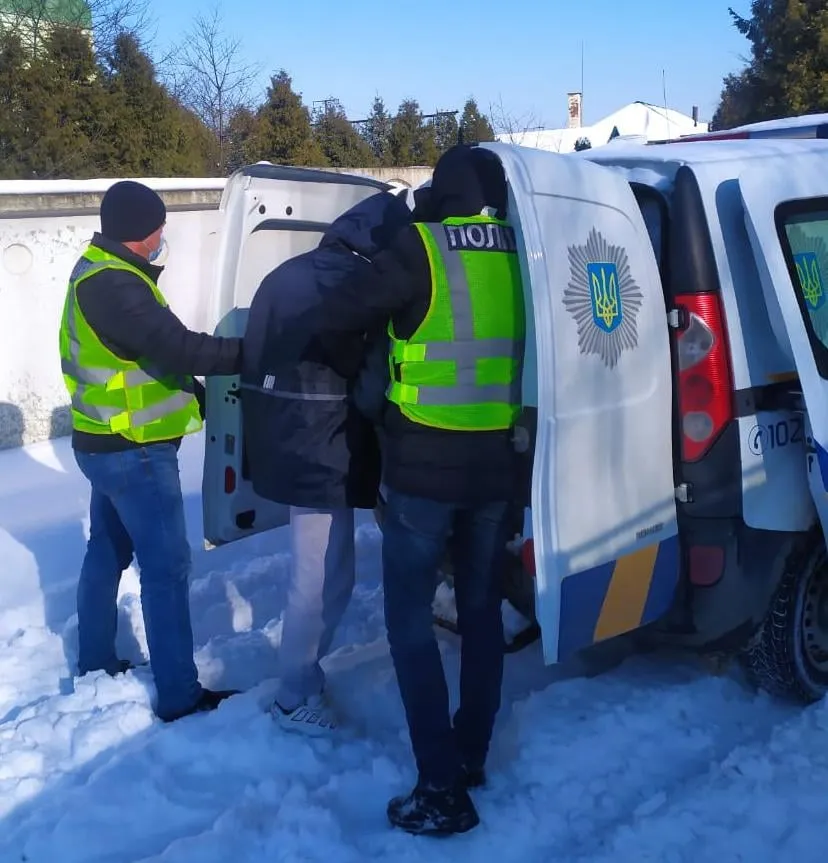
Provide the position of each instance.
(466, 179)
(369, 226)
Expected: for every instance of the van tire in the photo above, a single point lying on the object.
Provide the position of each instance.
(788, 656)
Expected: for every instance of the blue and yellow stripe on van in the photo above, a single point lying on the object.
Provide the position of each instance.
(617, 596)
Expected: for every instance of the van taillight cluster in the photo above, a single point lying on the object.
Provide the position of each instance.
(705, 391)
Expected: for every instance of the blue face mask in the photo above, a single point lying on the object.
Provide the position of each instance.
(155, 255)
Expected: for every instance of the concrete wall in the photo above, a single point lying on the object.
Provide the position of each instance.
(44, 226)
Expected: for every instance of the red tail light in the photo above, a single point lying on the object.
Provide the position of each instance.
(705, 387)
(229, 480)
(527, 556)
(706, 565)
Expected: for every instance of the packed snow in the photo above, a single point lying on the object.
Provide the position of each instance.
(655, 760)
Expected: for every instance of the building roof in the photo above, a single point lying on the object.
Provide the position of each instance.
(75, 13)
(638, 119)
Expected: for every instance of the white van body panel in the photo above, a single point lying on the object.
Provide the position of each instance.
(603, 509)
(803, 177)
(269, 214)
(775, 492)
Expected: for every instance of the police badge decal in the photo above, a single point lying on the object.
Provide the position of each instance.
(603, 298)
(810, 255)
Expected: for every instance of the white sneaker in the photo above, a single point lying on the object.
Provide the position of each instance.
(313, 718)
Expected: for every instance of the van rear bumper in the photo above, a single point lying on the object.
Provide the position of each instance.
(719, 612)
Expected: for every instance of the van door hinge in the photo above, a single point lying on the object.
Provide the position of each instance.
(677, 319)
(684, 493)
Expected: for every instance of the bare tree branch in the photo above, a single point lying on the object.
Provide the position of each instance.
(512, 126)
(111, 18)
(207, 74)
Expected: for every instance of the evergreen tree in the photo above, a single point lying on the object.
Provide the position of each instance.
(788, 69)
(140, 115)
(285, 134)
(153, 135)
(340, 143)
(427, 150)
(377, 131)
(406, 131)
(13, 64)
(64, 76)
(244, 139)
(446, 131)
(411, 142)
(52, 104)
(474, 126)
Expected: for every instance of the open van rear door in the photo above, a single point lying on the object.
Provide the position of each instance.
(786, 213)
(269, 214)
(598, 369)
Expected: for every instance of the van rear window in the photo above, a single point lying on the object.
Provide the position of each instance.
(806, 233)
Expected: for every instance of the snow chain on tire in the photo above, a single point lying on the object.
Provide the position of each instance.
(776, 659)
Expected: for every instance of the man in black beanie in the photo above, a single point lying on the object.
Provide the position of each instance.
(128, 363)
(449, 291)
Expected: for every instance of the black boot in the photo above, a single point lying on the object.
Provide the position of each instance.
(434, 812)
(207, 701)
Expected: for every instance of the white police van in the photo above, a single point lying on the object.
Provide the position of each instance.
(675, 388)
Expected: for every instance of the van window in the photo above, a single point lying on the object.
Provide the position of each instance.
(654, 212)
(803, 230)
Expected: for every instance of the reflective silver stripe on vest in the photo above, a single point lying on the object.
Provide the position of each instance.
(72, 366)
(471, 351)
(102, 376)
(138, 377)
(86, 377)
(469, 394)
(465, 350)
(176, 402)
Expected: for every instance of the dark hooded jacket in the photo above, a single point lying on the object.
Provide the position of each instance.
(457, 467)
(306, 443)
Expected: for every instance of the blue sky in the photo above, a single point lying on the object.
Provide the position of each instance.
(525, 54)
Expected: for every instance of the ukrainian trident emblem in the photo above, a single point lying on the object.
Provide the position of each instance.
(603, 298)
(810, 279)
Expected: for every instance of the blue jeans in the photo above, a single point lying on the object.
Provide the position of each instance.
(415, 532)
(137, 508)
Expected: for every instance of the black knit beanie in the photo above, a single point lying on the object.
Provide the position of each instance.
(130, 212)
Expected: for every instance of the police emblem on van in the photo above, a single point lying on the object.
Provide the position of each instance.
(603, 298)
(810, 257)
(810, 279)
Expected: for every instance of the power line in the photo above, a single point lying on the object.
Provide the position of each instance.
(329, 101)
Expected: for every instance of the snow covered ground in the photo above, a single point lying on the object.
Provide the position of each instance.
(654, 761)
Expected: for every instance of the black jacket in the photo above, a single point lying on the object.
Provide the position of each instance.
(306, 442)
(456, 467)
(127, 318)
